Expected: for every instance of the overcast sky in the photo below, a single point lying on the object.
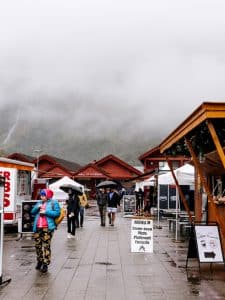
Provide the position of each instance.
(147, 63)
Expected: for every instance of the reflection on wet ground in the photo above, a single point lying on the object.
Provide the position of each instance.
(99, 265)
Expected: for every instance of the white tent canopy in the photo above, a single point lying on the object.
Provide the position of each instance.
(142, 184)
(58, 193)
(184, 175)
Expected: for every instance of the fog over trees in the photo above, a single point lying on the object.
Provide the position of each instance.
(82, 79)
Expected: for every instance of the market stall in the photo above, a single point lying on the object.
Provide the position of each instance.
(201, 136)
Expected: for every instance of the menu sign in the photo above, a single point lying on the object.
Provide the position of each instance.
(27, 218)
(208, 243)
(129, 204)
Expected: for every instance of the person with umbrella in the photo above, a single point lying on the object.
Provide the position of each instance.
(113, 203)
(102, 199)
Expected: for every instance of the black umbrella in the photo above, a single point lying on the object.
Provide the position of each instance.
(106, 183)
(75, 188)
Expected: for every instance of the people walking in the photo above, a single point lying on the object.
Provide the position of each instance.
(83, 204)
(139, 201)
(113, 203)
(45, 211)
(72, 212)
(102, 200)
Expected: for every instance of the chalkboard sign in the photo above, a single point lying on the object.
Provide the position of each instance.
(27, 218)
(208, 243)
(129, 204)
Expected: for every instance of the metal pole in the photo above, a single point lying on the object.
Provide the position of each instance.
(158, 206)
(177, 195)
(2, 190)
(38, 151)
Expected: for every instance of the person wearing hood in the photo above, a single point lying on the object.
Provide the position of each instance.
(73, 206)
(45, 211)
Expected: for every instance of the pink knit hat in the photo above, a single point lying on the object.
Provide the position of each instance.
(47, 192)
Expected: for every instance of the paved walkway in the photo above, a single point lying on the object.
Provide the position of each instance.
(99, 265)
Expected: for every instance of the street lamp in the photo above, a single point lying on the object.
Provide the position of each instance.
(38, 151)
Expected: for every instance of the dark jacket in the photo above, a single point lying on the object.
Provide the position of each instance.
(114, 201)
(73, 204)
(102, 199)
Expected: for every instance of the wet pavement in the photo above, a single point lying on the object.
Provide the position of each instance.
(98, 264)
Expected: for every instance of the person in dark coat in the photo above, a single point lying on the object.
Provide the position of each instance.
(139, 200)
(72, 212)
(102, 200)
(147, 208)
(113, 203)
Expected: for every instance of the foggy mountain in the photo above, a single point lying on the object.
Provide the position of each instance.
(71, 132)
(84, 79)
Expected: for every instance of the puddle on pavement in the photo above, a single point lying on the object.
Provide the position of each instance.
(26, 263)
(68, 267)
(106, 263)
(172, 263)
(194, 280)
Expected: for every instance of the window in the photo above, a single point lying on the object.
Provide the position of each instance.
(23, 183)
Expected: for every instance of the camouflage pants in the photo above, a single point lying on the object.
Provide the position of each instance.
(43, 239)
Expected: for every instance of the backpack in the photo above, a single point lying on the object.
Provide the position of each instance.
(59, 219)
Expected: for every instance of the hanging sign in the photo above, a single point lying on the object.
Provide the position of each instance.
(142, 235)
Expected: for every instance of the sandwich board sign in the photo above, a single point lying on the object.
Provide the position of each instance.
(208, 243)
(27, 218)
(129, 204)
(142, 235)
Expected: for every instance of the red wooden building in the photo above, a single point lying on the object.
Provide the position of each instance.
(49, 166)
(109, 167)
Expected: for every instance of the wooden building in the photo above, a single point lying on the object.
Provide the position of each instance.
(202, 135)
(109, 167)
(22, 157)
(154, 160)
(49, 166)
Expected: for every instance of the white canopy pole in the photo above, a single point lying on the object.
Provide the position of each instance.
(177, 199)
(158, 225)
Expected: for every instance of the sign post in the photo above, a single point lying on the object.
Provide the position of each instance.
(142, 235)
(2, 190)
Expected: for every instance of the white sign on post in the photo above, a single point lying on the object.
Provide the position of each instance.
(142, 235)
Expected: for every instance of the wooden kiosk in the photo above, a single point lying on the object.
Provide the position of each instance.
(202, 135)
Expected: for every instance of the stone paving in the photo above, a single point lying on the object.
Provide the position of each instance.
(98, 264)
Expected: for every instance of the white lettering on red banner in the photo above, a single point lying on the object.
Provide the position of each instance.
(7, 176)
